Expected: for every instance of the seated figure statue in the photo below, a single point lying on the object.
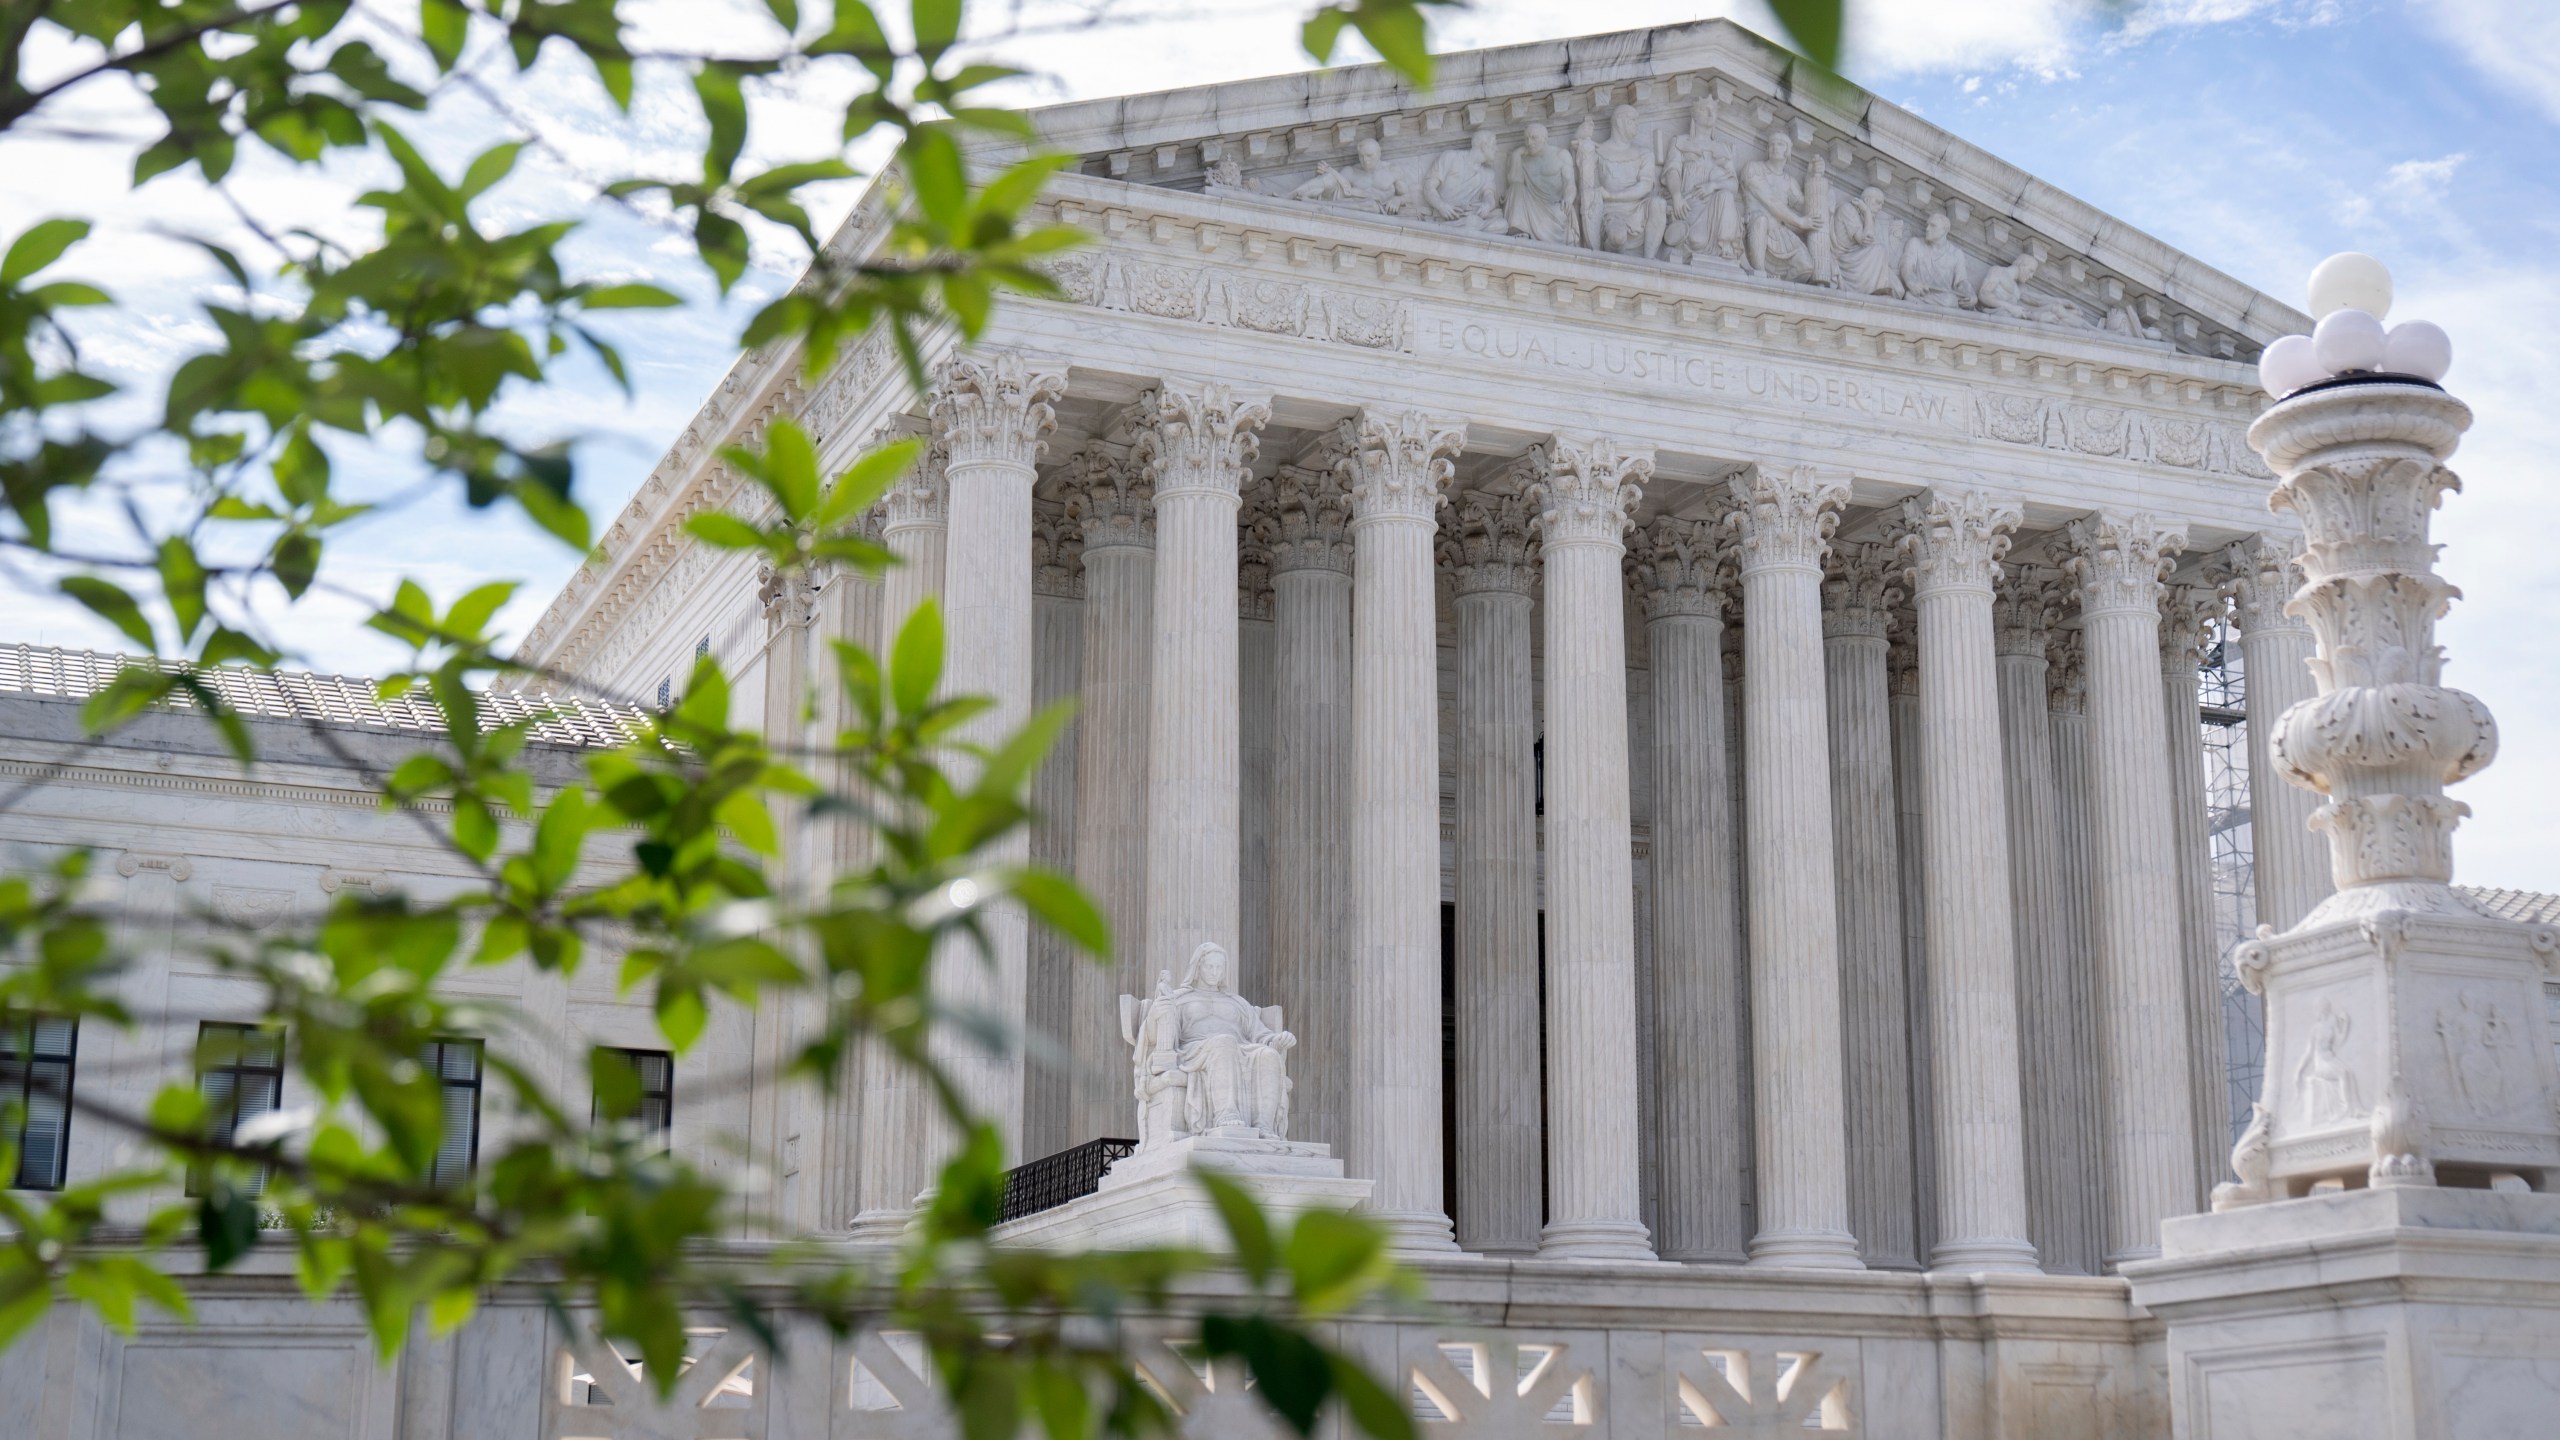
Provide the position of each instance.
(1206, 1061)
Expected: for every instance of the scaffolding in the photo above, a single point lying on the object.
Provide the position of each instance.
(2222, 710)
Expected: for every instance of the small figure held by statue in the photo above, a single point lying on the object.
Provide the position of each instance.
(1206, 1061)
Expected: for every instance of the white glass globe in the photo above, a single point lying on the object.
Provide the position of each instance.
(2347, 340)
(2417, 347)
(2288, 364)
(2350, 280)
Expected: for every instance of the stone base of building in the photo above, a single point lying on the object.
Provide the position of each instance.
(2365, 1313)
(1151, 1199)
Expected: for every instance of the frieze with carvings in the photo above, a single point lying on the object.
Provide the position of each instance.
(1114, 281)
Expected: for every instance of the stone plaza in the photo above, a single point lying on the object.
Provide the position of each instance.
(1651, 625)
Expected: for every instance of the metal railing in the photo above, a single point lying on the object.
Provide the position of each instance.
(1053, 1180)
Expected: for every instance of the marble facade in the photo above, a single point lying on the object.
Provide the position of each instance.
(1711, 561)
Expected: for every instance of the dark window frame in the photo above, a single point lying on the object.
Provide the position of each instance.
(222, 1130)
(446, 1085)
(665, 1095)
(25, 1061)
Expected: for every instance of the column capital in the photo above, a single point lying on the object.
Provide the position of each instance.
(1402, 465)
(2187, 616)
(2028, 599)
(2260, 575)
(1493, 547)
(1057, 552)
(1859, 591)
(1110, 498)
(1590, 491)
(1902, 655)
(1681, 567)
(2066, 676)
(1314, 515)
(1784, 520)
(2119, 561)
(994, 406)
(1198, 438)
(1955, 538)
(922, 496)
(791, 597)
(1257, 528)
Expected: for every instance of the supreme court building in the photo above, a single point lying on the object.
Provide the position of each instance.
(1659, 620)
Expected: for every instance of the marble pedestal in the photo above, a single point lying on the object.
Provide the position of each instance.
(2364, 1313)
(1152, 1199)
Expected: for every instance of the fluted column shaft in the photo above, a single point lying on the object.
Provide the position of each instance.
(1595, 1204)
(993, 412)
(1393, 1135)
(2144, 1089)
(1115, 506)
(1955, 541)
(1876, 1055)
(2066, 699)
(1903, 682)
(1697, 954)
(2290, 867)
(899, 1129)
(1500, 1136)
(1196, 442)
(852, 603)
(1311, 795)
(1784, 524)
(2057, 1166)
(1048, 1093)
(2186, 627)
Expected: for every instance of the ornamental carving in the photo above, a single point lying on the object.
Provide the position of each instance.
(1198, 438)
(1953, 540)
(1492, 545)
(790, 599)
(1402, 464)
(1313, 516)
(1233, 300)
(922, 496)
(2119, 562)
(2259, 576)
(1860, 590)
(1257, 527)
(2024, 605)
(995, 408)
(1785, 520)
(1057, 551)
(1590, 491)
(1681, 567)
(2066, 676)
(1110, 498)
(2190, 621)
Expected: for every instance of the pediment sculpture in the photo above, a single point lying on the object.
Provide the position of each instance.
(1205, 1061)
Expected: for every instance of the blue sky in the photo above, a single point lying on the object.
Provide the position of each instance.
(2258, 135)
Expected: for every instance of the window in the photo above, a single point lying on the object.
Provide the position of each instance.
(240, 1073)
(456, 1064)
(35, 1073)
(702, 647)
(639, 1085)
(666, 691)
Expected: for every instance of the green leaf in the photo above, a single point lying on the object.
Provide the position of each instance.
(40, 245)
(182, 580)
(744, 813)
(489, 167)
(628, 297)
(226, 1224)
(1291, 1374)
(110, 603)
(915, 661)
(1379, 1413)
(1057, 903)
(681, 1015)
(931, 159)
(443, 24)
(791, 468)
(861, 486)
(723, 530)
(1815, 26)
(1333, 1258)
(724, 106)
(1246, 1225)
(937, 24)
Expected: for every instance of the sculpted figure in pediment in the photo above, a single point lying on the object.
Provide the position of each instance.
(1868, 245)
(1226, 177)
(1774, 222)
(1819, 255)
(1463, 187)
(1934, 269)
(1706, 206)
(1367, 185)
(2002, 292)
(1623, 209)
(1540, 192)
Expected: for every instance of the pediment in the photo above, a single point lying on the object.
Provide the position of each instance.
(1681, 148)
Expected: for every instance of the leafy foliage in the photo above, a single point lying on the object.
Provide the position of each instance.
(673, 851)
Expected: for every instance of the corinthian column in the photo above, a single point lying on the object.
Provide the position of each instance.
(1397, 476)
(993, 412)
(2290, 868)
(2118, 562)
(1499, 1137)
(899, 1145)
(1057, 600)
(1111, 500)
(2187, 624)
(1902, 660)
(1195, 442)
(2049, 948)
(1955, 541)
(1679, 569)
(1857, 597)
(2077, 1079)
(1595, 1201)
(1784, 522)
(1257, 701)
(1311, 785)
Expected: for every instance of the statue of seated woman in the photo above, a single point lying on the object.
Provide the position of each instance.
(1205, 1060)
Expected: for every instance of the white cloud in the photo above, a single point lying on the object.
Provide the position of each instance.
(2516, 45)
(2415, 185)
